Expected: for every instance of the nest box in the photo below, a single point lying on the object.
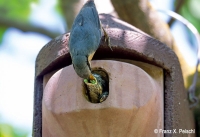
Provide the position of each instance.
(146, 90)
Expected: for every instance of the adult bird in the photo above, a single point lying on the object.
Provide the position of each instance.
(85, 38)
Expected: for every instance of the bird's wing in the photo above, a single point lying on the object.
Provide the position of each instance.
(83, 37)
(86, 31)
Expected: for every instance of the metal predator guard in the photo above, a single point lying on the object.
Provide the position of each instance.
(84, 40)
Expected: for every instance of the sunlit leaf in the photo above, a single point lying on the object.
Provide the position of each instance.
(190, 10)
(6, 130)
(17, 9)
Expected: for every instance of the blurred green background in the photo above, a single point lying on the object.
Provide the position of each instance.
(25, 27)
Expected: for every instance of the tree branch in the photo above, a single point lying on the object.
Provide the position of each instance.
(177, 9)
(70, 9)
(141, 14)
(25, 26)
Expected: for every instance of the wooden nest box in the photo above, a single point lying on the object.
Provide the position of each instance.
(146, 90)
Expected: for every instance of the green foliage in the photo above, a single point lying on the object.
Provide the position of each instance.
(7, 130)
(58, 7)
(17, 9)
(191, 11)
(2, 31)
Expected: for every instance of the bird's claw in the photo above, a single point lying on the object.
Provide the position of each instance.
(106, 38)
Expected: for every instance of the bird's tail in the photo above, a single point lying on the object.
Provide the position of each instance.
(86, 1)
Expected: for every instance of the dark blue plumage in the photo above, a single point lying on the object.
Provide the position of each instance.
(85, 38)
